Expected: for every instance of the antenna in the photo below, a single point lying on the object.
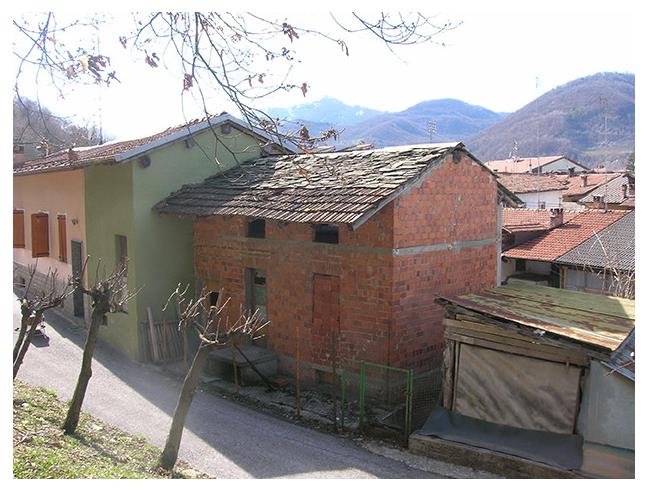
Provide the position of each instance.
(432, 128)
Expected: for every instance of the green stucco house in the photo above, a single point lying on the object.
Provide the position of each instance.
(98, 201)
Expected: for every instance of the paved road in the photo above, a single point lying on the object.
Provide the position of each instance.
(222, 438)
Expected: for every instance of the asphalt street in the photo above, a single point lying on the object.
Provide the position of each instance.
(222, 438)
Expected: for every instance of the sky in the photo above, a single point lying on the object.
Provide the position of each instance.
(501, 58)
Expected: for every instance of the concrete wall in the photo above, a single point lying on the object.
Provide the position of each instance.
(607, 412)
(551, 199)
(109, 198)
(120, 198)
(54, 193)
(165, 244)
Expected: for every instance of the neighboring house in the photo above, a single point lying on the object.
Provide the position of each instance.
(537, 191)
(579, 186)
(546, 256)
(605, 262)
(522, 224)
(98, 201)
(537, 165)
(542, 379)
(616, 194)
(350, 245)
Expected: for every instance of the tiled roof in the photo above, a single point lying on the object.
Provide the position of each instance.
(339, 187)
(557, 242)
(83, 156)
(575, 185)
(612, 192)
(527, 183)
(115, 151)
(521, 164)
(525, 219)
(613, 247)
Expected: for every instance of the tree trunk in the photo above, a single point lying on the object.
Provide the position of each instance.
(72, 419)
(38, 317)
(24, 317)
(172, 446)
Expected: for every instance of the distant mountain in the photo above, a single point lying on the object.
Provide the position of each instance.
(326, 111)
(590, 120)
(441, 120)
(448, 119)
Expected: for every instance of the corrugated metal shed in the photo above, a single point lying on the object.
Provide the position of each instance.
(601, 322)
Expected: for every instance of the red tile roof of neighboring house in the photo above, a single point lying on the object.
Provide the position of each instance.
(116, 151)
(525, 219)
(528, 183)
(575, 187)
(522, 164)
(558, 241)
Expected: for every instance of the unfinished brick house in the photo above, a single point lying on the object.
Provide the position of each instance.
(353, 243)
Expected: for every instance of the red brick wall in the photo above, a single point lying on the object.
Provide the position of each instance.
(456, 202)
(362, 261)
(387, 312)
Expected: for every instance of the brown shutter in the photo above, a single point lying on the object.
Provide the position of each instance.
(62, 238)
(19, 229)
(40, 235)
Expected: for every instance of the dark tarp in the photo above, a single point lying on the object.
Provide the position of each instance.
(561, 450)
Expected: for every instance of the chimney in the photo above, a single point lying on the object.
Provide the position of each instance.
(624, 189)
(18, 155)
(571, 172)
(583, 179)
(555, 217)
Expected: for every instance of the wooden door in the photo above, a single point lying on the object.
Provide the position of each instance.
(326, 317)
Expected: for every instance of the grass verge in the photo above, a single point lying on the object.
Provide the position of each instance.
(97, 450)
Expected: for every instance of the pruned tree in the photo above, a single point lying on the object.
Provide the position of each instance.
(214, 329)
(108, 295)
(243, 57)
(34, 302)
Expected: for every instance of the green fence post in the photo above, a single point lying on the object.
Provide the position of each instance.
(343, 394)
(409, 403)
(361, 396)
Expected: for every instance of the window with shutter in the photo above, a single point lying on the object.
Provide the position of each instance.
(19, 229)
(62, 238)
(40, 235)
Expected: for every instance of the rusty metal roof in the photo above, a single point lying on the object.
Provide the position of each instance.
(599, 321)
(622, 359)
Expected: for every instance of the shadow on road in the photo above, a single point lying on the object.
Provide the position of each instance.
(262, 445)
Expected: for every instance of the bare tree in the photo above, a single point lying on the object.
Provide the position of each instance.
(34, 302)
(109, 295)
(214, 329)
(244, 57)
(616, 276)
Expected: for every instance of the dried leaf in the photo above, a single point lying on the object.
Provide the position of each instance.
(188, 82)
(123, 40)
(304, 88)
(84, 64)
(70, 72)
